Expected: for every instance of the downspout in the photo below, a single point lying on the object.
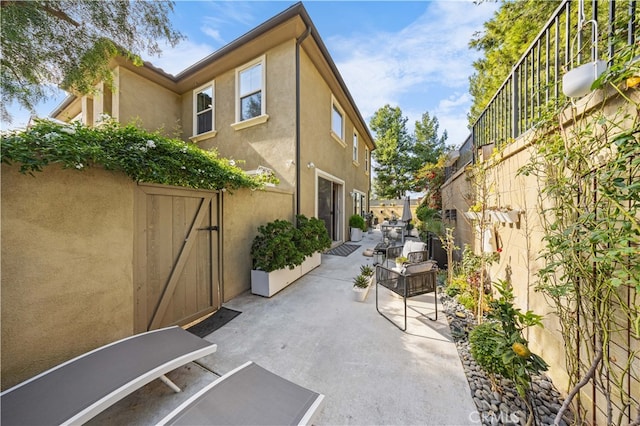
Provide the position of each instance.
(299, 41)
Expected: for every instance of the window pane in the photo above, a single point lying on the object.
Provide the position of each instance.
(336, 122)
(355, 148)
(251, 80)
(205, 122)
(250, 106)
(205, 99)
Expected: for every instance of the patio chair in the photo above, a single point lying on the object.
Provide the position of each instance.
(414, 251)
(81, 388)
(248, 395)
(414, 280)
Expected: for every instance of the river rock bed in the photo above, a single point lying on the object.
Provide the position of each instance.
(505, 407)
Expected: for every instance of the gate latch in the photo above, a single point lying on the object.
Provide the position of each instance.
(209, 228)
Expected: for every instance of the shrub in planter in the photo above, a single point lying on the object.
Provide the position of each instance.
(312, 236)
(357, 221)
(366, 270)
(275, 247)
(361, 281)
(280, 244)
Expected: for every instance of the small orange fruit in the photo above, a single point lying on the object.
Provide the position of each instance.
(521, 350)
(633, 81)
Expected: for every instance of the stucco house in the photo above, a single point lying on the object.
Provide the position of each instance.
(272, 99)
(102, 257)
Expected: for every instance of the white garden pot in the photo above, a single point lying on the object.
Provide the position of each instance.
(356, 234)
(360, 294)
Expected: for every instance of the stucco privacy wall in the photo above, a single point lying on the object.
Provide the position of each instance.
(67, 256)
(455, 196)
(522, 244)
(242, 213)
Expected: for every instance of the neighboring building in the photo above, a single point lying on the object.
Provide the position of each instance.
(271, 99)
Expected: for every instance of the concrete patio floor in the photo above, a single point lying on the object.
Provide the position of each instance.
(314, 334)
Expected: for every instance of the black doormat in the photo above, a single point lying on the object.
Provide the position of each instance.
(343, 250)
(214, 322)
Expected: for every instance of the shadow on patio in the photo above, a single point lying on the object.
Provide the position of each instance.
(316, 335)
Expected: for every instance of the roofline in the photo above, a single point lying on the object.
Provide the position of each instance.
(296, 9)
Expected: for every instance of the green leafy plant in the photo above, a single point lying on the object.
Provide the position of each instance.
(483, 341)
(312, 236)
(275, 247)
(357, 221)
(143, 156)
(506, 342)
(280, 244)
(366, 270)
(361, 281)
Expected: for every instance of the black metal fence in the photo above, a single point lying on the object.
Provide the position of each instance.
(535, 80)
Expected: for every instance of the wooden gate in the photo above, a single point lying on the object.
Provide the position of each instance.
(176, 256)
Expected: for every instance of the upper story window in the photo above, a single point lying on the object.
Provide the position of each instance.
(337, 122)
(366, 160)
(250, 88)
(355, 147)
(203, 120)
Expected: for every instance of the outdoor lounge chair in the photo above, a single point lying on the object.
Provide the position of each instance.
(413, 280)
(414, 251)
(248, 395)
(81, 388)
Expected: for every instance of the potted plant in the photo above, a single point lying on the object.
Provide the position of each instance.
(400, 261)
(282, 253)
(367, 271)
(358, 226)
(360, 287)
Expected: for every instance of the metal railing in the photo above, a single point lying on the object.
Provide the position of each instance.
(535, 81)
(465, 157)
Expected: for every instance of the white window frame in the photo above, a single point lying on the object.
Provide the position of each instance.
(340, 138)
(356, 148)
(210, 133)
(263, 117)
(366, 159)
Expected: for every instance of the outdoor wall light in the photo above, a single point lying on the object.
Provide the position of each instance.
(310, 165)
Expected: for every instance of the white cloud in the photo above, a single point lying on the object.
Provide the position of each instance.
(428, 60)
(213, 33)
(178, 58)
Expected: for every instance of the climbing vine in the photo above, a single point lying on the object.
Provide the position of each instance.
(588, 169)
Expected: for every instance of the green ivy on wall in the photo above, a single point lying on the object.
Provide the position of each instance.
(141, 155)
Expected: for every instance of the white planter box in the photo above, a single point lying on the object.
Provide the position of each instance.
(356, 234)
(311, 263)
(269, 283)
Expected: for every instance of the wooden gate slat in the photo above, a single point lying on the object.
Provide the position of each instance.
(179, 265)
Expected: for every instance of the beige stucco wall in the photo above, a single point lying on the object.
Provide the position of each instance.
(150, 105)
(320, 147)
(67, 258)
(243, 211)
(270, 144)
(521, 245)
(455, 195)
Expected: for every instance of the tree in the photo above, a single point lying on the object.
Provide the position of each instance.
(428, 150)
(69, 44)
(504, 40)
(394, 144)
(400, 157)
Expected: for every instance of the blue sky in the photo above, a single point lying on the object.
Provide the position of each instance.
(410, 54)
